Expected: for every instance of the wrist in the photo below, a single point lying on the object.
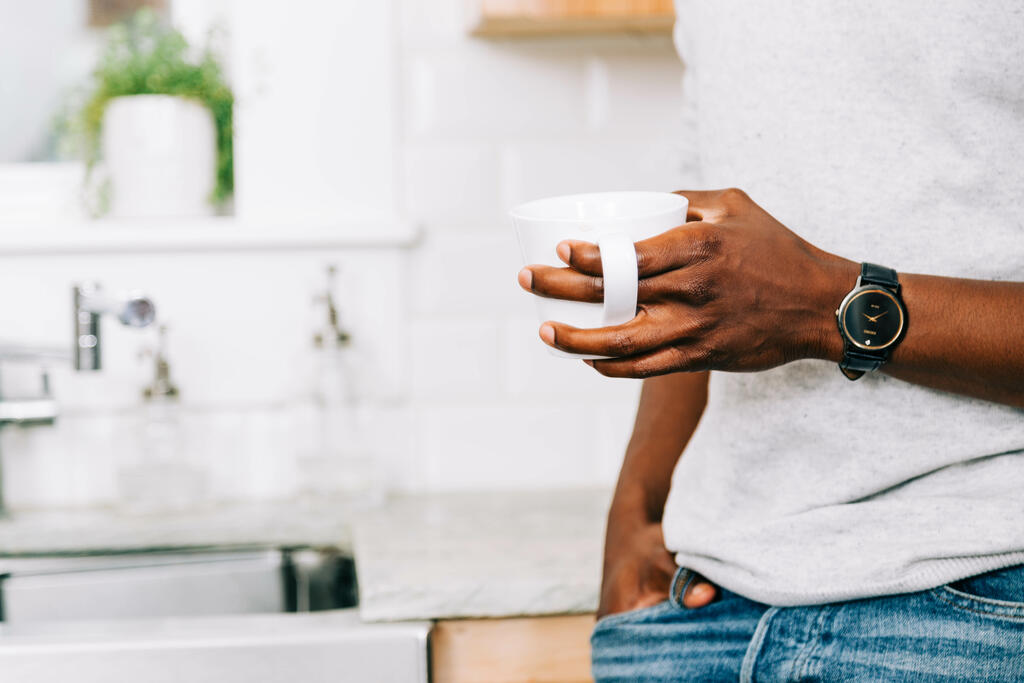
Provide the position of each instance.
(628, 523)
(834, 278)
(630, 505)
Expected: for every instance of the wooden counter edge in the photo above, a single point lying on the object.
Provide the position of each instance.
(512, 650)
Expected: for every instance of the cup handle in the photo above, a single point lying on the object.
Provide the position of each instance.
(618, 263)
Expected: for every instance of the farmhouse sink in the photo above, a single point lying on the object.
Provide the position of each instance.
(168, 584)
(315, 647)
(233, 616)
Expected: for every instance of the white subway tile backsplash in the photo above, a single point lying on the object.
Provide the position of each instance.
(644, 93)
(468, 274)
(454, 184)
(531, 371)
(455, 358)
(456, 390)
(70, 465)
(240, 324)
(487, 90)
(436, 21)
(507, 445)
(421, 98)
(598, 97)
(390, 444)
(33, 461)
(541, 169)
(315, 115)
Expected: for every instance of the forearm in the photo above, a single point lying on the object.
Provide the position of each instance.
(737, 291)
(638, 568)
(670, 408)
(963, 336)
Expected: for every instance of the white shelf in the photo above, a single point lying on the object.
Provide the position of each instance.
(205, 234)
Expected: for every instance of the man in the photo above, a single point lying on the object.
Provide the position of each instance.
(820, 528)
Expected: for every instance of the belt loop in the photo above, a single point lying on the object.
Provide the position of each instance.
(680, 582)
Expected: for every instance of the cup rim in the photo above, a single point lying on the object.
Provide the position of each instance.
(518, 211)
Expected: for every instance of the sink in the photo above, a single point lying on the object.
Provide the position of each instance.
(314, 647)
(244, 615)
(167, 584)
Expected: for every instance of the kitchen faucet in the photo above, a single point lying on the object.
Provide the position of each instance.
(133, 310)
(89, 304)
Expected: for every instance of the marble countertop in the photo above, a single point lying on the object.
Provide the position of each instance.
(251, 525)
(481, 555)
(417, 556)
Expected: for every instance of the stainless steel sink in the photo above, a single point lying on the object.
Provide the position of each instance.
(173, 584)
(239, 616)
(317, 647)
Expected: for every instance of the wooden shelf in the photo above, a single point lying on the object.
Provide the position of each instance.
(567, 17)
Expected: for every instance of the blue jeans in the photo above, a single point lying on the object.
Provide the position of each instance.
(970, 630)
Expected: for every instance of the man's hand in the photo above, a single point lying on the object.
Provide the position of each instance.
(638, 570)
(732, 289)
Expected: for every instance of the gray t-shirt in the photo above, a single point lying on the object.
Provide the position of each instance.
(890, 132)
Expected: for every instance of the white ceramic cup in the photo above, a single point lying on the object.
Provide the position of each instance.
(612, 220)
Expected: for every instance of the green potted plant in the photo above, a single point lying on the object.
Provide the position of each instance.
(155, 128)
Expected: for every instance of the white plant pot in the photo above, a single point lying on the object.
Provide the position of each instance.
(160, 155)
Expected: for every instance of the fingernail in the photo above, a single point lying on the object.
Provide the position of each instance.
(526, 278)
(564, 251)
(547, 333)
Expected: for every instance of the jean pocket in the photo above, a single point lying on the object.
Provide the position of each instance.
(997, 593)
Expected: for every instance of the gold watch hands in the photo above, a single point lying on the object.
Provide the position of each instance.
(874, 319)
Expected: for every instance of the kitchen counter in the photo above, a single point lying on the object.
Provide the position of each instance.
(481, 555)
(437, 556)
(251, 525)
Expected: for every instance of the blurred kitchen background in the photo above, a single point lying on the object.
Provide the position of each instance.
(380, 138)
(345, 324)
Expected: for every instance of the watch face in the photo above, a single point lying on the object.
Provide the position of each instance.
(872, 318)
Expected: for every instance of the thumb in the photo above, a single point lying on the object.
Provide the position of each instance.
(699, 592)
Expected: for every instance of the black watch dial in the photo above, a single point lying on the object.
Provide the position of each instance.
(872, 318)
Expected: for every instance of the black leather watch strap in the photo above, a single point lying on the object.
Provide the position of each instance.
(856, 364)
(873, 274)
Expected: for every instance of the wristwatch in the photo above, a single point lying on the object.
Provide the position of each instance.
(872, 320)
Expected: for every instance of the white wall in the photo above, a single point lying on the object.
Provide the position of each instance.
(489, 124)
(460, 393)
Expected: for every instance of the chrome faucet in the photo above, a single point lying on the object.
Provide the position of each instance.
(90, 303)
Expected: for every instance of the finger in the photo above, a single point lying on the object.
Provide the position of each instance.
(561, 283)
(700, 202)
(676, 248)
(658, 362)
(649, 599)
(672, 249)
(582, 256)
(714, 204)
(639, 335)
(699, 593)
(692, 285)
